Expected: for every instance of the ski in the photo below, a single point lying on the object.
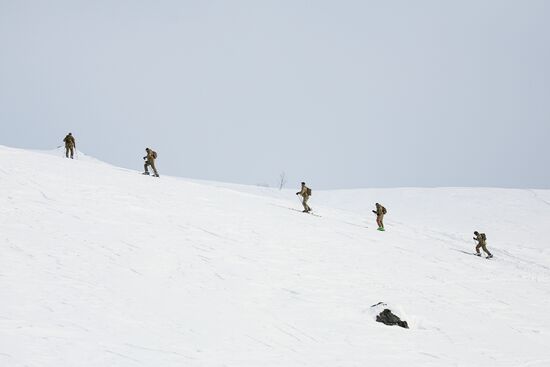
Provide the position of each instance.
(301, 211)
(473, 254)
(150, 175)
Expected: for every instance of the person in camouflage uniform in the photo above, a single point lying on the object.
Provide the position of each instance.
(305, 192)
(150, 161)
(482, 243)
(380, 212)
(70, 145)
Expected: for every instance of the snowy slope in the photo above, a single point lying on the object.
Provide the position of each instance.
(60, 152)
(101, 266)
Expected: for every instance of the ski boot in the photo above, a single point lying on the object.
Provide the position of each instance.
(145, 173)
(381, 229)
(477, 254)
(490, 256)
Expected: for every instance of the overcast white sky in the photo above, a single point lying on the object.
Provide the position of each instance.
(340, 94)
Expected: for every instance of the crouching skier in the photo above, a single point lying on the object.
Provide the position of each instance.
(481, 239)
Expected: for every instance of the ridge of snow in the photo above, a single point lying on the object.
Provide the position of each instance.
(78, 155)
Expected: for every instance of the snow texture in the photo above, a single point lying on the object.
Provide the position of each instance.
(101, 266)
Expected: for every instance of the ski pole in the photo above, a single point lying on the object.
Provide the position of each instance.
(300, 199)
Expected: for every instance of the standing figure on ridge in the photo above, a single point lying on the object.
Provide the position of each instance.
(150, 161)
(481, 239)
(70, 145)
(305, 192)
(380, 212)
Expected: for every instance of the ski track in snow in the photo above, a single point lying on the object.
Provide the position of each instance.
(101, 266)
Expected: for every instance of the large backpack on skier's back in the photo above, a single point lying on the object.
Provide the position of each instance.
(308, 191)
(384, 211)
(483, 237)
(154, 154)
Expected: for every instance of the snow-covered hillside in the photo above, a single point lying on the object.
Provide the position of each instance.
(101, 266)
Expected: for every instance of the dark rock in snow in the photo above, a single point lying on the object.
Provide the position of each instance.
(388, 318)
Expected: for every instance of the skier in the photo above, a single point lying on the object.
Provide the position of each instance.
(150, 161)
(305, 192)
(380, 212)
(70, 145)
(481, 243)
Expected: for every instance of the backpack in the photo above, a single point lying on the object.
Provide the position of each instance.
(308, 191)
(483, 237)
(154, 154)
(384, 211)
